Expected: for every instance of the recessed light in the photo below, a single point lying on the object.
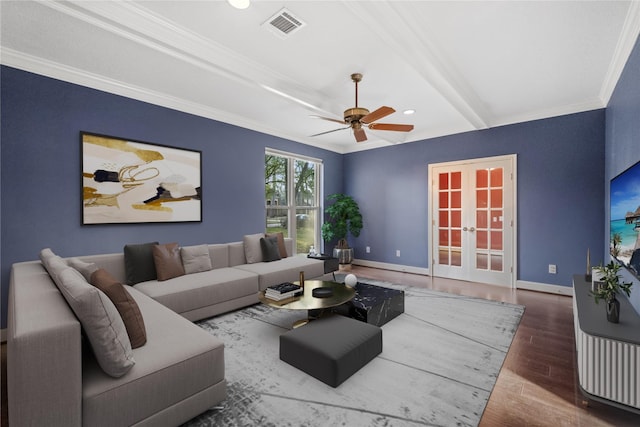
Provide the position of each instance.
(408, 112)
(240, 4)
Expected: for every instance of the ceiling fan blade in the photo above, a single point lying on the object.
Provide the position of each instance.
(391, 126)
(360, 135)
(377, 114)
(329, 131)
(328, 119)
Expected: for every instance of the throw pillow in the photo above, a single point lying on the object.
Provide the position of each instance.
(138, 263)
(270, 251)
(85, 268)
(252, 249)
(100, 321)
(53, 264)
(281, 247)
(167, 261)
(125, 304)
(195, 259)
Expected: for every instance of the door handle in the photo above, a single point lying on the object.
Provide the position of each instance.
(472, 229)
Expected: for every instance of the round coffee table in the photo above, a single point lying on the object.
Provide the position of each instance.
(313, 305)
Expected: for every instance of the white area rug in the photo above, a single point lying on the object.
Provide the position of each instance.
(439, 363)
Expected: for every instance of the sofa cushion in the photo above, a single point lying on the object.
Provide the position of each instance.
(270, 251)
(85, 268)
(281, 246)
(101, 322)
(195, 259)
(138, 263)
(126, 306)
(285, 270)
(167, 261)
(252, 249)
(179, 361)
(195, 291)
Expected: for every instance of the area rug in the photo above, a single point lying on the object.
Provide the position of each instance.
(439, 363)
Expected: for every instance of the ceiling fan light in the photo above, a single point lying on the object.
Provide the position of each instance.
(409, 112)
(239, 4)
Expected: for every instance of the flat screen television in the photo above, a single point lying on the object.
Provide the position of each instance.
(624, 243)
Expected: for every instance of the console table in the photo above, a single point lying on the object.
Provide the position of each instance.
(608, 354)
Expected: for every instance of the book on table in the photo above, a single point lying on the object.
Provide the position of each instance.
(282, 291)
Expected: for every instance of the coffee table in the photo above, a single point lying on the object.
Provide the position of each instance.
(315, 306)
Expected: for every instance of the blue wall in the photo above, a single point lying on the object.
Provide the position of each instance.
(560, 194)
(623, 140)
(41, 173)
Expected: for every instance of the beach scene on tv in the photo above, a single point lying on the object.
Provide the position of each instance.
(625, 218)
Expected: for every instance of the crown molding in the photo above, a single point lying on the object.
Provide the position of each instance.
(22, 61)
(626, 42)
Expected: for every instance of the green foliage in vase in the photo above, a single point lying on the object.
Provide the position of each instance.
(611, 283)
(344, 218)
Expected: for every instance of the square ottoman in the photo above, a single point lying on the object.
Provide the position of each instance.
(332, 348)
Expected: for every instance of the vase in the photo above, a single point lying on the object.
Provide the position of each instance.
(345, 256)
(613, 310)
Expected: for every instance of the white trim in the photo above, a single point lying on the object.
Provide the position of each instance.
(626, 42)
(393, 267)
(544, 287)
(290, 155)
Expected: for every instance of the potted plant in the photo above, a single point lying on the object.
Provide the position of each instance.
(609, 287)
(343, 218)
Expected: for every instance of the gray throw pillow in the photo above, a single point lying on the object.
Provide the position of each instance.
(252, 249)
(85, 268)
(100, 321)
(139, 264)
(195, 258)
(270, 250)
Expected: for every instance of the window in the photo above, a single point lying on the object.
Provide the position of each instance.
(291, 190)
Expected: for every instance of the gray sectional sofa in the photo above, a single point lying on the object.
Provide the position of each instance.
(55, 380)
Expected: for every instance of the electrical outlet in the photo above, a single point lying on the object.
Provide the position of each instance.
(398, 253)
(552, 268)
(368, 249)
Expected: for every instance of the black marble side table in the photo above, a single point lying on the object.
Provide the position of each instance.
(373, 304)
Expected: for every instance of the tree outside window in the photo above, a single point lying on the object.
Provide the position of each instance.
(291, 199)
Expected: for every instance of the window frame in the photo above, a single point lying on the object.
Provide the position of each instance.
(291, 207)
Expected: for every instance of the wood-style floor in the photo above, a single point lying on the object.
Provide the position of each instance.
(537, 384)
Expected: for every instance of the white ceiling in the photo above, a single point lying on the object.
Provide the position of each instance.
(461, 65)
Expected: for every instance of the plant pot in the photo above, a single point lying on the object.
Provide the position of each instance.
(613, 310)
(345, 256)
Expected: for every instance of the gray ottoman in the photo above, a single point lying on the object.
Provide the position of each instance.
(331, 349)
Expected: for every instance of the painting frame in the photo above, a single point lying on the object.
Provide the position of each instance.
(128, 181)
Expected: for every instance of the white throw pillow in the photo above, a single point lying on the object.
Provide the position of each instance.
(195, 258)
(101, 322)
(252, 249)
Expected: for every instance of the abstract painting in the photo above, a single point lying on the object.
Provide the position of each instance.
(127, 181)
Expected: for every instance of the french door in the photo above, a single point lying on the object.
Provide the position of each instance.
(472, 220)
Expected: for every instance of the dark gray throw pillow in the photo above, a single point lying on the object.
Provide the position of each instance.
(270, 250)
(139, 264)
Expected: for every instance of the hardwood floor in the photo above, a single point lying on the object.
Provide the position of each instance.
(537, 384)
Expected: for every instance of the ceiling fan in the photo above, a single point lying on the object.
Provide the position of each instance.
(358, 118)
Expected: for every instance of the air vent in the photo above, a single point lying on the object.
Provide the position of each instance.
(284, 23)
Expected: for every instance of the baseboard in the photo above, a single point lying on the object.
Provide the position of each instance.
(392, 267)
(3, 335)
(544, 287)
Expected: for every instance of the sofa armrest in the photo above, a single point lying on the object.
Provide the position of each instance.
(44, 354)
